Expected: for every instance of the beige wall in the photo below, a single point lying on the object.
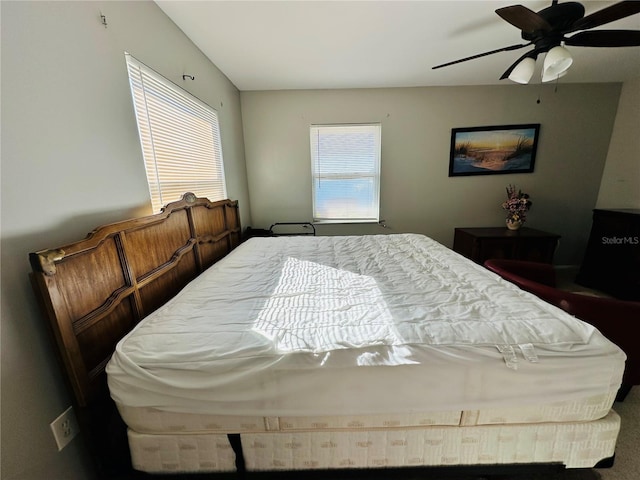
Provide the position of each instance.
(620, 186)
(416, 193)
(71, 161)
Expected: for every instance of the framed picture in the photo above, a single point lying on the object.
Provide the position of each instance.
(493, 150)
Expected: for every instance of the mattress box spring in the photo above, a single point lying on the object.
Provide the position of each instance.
(574, 444)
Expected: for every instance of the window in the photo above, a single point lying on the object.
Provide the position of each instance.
(345, 164)
(180, 138)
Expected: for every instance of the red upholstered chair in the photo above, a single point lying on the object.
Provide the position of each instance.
(616, 319)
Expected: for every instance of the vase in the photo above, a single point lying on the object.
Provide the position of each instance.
(513, 224)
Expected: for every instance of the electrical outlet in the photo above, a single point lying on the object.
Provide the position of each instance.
(64, 428)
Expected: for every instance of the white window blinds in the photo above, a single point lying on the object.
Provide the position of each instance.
(180, 138)
(346, 172)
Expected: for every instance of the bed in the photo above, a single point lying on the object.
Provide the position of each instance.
(281, 354)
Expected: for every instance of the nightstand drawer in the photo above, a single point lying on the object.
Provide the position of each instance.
(480, 244)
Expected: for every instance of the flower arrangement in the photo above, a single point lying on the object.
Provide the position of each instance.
(517, 205)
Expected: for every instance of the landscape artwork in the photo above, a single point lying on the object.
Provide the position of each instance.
(493, 150)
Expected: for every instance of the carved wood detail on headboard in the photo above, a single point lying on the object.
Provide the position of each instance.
(94, 291)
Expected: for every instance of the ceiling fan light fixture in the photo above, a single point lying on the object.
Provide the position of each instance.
(556, 63)
(523, 71)
(548, 78)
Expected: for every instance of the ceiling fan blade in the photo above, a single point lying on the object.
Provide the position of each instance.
(609, 14)
(504, 49)
(605, 38)
(526, 20)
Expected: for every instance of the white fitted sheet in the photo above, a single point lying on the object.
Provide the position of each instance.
(354, 325)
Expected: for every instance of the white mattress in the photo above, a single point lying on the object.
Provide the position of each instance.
(353, 325)
(154, 421)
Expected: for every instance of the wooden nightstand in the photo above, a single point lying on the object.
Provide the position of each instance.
(481, 243)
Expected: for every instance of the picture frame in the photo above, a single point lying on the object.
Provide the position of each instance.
(491, 150)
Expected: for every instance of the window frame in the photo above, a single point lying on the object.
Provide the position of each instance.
(179, 137)
(315, 131)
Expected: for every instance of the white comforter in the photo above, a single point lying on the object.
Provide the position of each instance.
(311, 325)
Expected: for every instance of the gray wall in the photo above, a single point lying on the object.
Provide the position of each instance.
(417, 195)
(71, 161)
(620, 186)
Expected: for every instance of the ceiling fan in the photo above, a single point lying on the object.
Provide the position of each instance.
(546, 31)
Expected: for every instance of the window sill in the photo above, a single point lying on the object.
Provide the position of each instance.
(346, 222)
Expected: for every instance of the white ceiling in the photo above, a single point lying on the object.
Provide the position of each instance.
(279, 45)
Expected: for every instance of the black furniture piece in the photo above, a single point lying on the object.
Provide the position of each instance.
(280, 229)
(482, 243)
(611, 262)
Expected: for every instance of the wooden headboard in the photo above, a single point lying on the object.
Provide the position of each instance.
(95, 291)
